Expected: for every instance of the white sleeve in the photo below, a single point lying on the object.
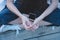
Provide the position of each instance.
(59, 5)
(14, 1)
(1, 1)
(49, 2)
(2, 4)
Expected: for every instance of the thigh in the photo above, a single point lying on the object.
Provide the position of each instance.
(18, 20)
(42, 23)
(54, 17)
(6, 16)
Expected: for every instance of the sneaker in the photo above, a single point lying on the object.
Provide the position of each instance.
(5, 28)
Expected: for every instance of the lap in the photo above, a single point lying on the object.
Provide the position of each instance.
(54, 17)
(6, 16)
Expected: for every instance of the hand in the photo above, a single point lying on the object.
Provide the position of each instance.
(26, 23)
(35, 24)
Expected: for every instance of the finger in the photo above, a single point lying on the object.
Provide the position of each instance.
(35, 27)
(31, 28)
(27, 27)
(28, 24)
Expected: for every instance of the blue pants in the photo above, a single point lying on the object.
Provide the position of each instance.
(6, 16)
(54, 17)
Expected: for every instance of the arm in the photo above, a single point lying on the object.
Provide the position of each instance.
(51, 8)
(12, 7)
(25, 21)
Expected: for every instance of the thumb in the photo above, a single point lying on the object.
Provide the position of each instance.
(28, 23)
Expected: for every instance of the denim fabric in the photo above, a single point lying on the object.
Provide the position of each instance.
(6, 16)
(54, 17)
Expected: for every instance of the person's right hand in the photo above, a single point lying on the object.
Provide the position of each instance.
(26, 22)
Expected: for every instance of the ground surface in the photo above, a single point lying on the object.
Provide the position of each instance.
(43, 33)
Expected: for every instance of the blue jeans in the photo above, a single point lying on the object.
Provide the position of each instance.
(54, 17)
(6, 16)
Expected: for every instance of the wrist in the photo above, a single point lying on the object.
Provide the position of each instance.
(20, 15)
(38, 19)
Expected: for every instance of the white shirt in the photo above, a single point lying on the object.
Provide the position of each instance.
(2, 4)
(49, 2)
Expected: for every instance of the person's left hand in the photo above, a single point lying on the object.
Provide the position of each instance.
(35, 24)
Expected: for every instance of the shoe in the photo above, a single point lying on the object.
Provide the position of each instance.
(5, 28)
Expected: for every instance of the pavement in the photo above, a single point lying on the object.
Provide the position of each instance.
(42, 33)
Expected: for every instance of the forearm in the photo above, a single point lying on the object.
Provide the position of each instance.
(49, 10)
(12, 8)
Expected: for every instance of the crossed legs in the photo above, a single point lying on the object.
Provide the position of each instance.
(18, 21)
